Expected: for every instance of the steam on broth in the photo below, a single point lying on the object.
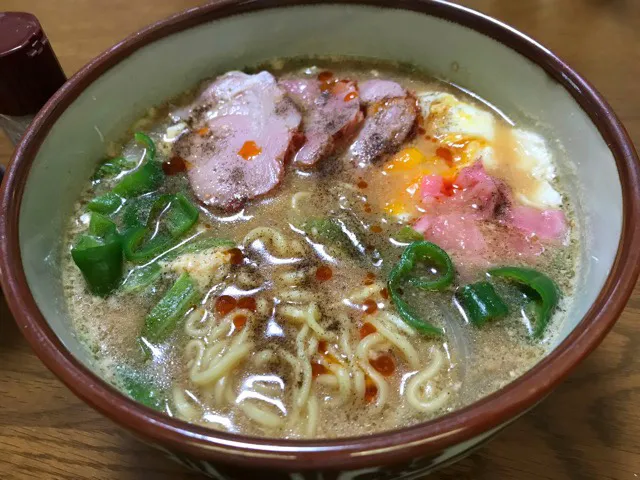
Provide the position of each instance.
(321, 249)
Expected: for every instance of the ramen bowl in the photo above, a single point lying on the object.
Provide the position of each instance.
(57, 156)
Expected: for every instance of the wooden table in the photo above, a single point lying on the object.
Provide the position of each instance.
(588, 429)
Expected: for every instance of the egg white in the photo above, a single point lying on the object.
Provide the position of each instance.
(447, 116)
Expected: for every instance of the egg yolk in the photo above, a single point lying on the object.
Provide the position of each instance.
(406, 159)
(461, 151)
(403, 173)
(443, 155)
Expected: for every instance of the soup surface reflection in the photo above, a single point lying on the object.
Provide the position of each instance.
(321, 249)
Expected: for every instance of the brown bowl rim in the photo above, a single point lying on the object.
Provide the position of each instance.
(426, 439)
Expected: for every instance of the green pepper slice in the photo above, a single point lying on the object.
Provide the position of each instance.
(111, 168)
(141, 389)
(334, 232)
(325, 229)
(180, 215)
(426, 252)
(101, 226)
(407, 235)
(176, 216)
(409, 316)
(106, 203)
(481, 302)
(164, 317)
(545, 289)
(138, 249)
(137, 212)
(147, 177)
(98, 255)
(144, 179)
(421, 251)
(140, 278)
(148, 144)
(199, 244)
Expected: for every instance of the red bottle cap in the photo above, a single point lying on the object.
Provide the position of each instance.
(29, 70)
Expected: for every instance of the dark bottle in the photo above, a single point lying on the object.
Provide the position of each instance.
(29, 72)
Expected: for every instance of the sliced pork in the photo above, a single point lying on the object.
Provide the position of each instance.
(331, 116)
(545, 224)
(243, 128)
(373, 91)
(390, 117)
(475, 218)
(453, 232)
(476, 193)
(473, 192)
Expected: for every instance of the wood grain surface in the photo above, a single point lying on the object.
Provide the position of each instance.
(588, 429)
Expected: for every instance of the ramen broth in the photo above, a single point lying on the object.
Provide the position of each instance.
(290, 323)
